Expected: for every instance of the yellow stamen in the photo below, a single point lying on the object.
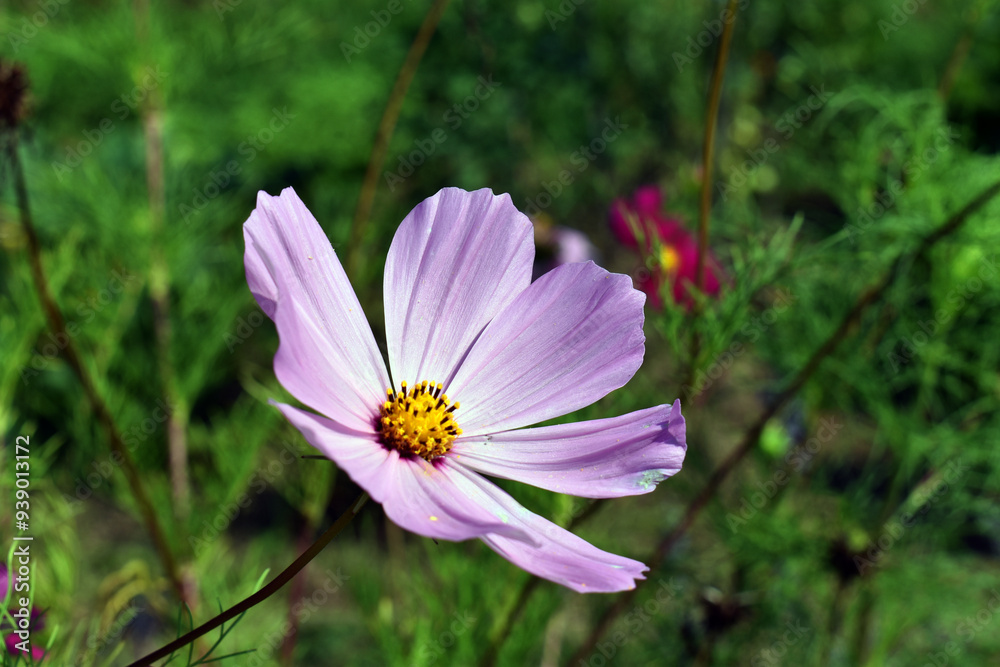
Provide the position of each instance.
(419, 421)
(669, 259)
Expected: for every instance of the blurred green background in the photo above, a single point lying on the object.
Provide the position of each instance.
(847, 131)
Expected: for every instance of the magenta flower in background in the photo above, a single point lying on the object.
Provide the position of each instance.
(673, 250)
(476, 351)
(35, 623)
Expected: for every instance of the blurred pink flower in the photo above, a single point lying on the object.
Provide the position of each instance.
(556, 245)
(35, 623)
(673, 252)
(464, 321)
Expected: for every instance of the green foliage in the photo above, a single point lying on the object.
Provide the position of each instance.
(861, 531)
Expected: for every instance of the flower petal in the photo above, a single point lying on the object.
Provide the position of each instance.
(312, 367)
(416, 495)
(558, 554)
(424, 498)
(603, 458)
(647, 200)
(456, 261)
(357, 453)
(289, 259)
(569, 339)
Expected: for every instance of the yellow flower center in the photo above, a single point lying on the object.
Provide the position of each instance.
(669, 259)
(419, 421)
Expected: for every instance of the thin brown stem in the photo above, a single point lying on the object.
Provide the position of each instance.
(159, 269)
(752, 437)
(267, 591)
(708, 148)
(385, 129)
(958, 55)
(57, 324)
(707, 160)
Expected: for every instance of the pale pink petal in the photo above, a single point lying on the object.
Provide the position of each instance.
(358, 453)
(603, 458)
(418, 496)
(311, 366)
(456, 260)
(573, 336)
(558, 554)
(289, 259)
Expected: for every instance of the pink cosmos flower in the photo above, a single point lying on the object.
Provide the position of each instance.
(477, 351)
(673, 250)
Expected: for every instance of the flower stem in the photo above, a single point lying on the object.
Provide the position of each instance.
(159, 270)
(57, 324)
(267, 591)
(870, 296)
(385, 129)
(708, 148)
(705, 204)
